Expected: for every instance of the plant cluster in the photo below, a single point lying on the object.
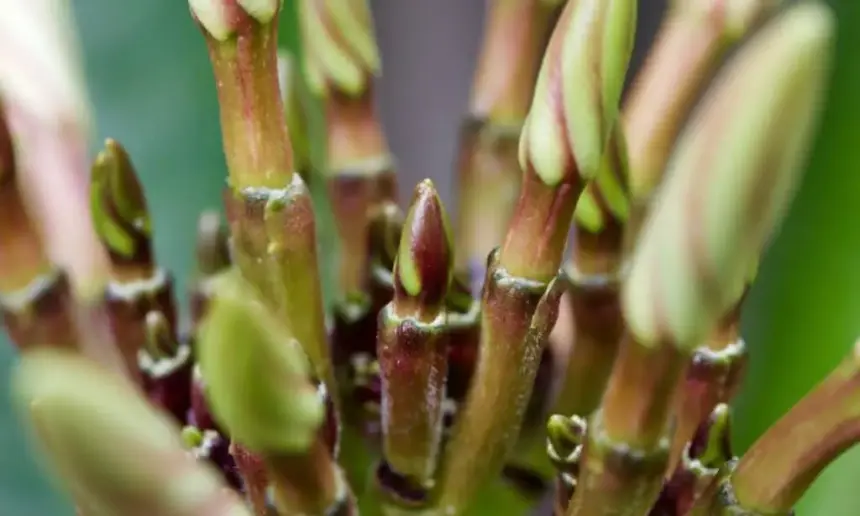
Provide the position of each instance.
(574, 331)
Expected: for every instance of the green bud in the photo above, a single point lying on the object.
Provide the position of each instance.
(578, 89)
(118, 205)
(340, 45)
(257, 376)
(109, 447)
(730, 180)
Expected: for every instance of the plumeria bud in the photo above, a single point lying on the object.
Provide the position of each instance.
(119, 211)
(340, 45)
(424, 264)
(257, 377)
(565, 135)
(690, 47)
(730, 180)
(42, 80)
(109, 447)
(578, 89)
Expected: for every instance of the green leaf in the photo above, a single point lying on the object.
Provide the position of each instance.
(804, 312)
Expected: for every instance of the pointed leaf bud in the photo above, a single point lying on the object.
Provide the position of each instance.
(257, 377)
(711, 445)
(340, 45)
(159, 337)
(119, 211)
(730, 181)
(109, 447)
(425, 258)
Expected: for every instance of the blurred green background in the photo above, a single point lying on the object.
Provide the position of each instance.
(152, 88)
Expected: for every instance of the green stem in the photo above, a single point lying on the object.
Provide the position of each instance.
(517, 315)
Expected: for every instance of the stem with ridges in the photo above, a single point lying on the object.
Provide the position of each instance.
(412, 345)
(517, 314)
(595, 272)
(515, 36)
(268, 206)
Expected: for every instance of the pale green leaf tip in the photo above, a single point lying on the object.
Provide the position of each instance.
(214, 16)
(258, 378)
(261, 10)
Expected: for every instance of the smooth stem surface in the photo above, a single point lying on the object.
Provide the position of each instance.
(253, 125)
(775, 472)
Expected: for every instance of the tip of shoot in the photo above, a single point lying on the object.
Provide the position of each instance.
(425, 257)
(222, 18)
(711, 445)
(731, 179)
(118, 205)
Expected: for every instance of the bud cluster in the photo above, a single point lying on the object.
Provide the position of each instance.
(587, 346)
